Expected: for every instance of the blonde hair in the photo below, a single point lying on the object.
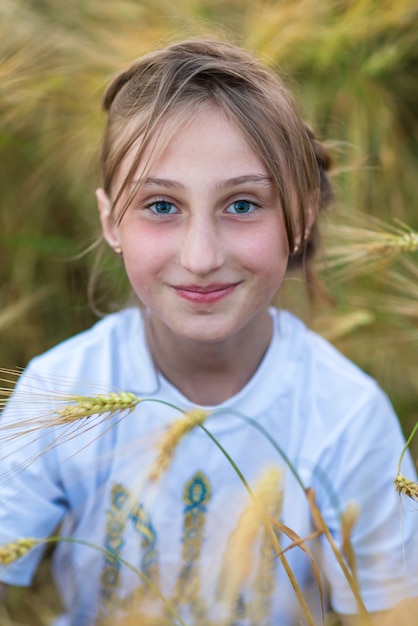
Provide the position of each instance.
(173, 83)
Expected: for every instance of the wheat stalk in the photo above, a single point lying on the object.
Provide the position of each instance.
(404, 485)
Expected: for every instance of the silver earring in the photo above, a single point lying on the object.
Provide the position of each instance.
(117, 250)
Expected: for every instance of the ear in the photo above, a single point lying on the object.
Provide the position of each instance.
(109, 227)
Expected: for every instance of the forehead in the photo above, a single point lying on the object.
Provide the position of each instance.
(207, 143)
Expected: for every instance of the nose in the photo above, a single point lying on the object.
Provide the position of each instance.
(202, 250)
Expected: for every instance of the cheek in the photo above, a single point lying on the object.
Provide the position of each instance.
(144, 242)
(145, 256)
(267, 254)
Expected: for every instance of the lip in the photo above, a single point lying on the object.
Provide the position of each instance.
(205, 294)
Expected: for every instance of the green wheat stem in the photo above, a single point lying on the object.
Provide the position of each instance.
(229, 458)
(408, 443)
(158, 401)
(274, 443)
(322, 476)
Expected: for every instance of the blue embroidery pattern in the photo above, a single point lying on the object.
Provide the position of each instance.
(122, 511)
(115, 527)
(187, 592)
(142, 524)
(196, 495)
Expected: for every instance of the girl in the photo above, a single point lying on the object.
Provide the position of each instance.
(211, 190)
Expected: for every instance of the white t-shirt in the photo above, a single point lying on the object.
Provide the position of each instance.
(305, 403)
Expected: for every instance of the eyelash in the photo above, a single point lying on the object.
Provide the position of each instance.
(244, 201)
(155, 202)
(240, 201)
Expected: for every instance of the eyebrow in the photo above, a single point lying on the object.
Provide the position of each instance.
(258, 179)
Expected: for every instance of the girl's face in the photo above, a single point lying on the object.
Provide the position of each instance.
(203, 241)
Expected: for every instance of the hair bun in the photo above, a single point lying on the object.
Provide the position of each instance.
(115, 86)
(322, 155)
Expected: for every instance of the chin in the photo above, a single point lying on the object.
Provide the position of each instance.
(206, 332)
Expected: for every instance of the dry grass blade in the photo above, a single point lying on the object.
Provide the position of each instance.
(354, 250)
(336, 326)
(10, 314)
(322, 527)
(404, 281)
(349, 518)
(291, 577)
(300, 542)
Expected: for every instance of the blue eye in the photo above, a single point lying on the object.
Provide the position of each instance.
(162, 207)
(240, 207)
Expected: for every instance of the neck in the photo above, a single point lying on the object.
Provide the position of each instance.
(209, 373)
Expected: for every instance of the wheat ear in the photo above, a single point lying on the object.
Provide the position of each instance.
(239, 553)
(11, 552)
(85, 406)
(406, 486)
(171, 439)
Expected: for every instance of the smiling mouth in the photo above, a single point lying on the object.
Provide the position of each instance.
(205, 294)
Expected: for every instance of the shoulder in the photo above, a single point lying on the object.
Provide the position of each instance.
(311, 351)
(340, 413)
(107, 332)
(325, 380)
(102, 353)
